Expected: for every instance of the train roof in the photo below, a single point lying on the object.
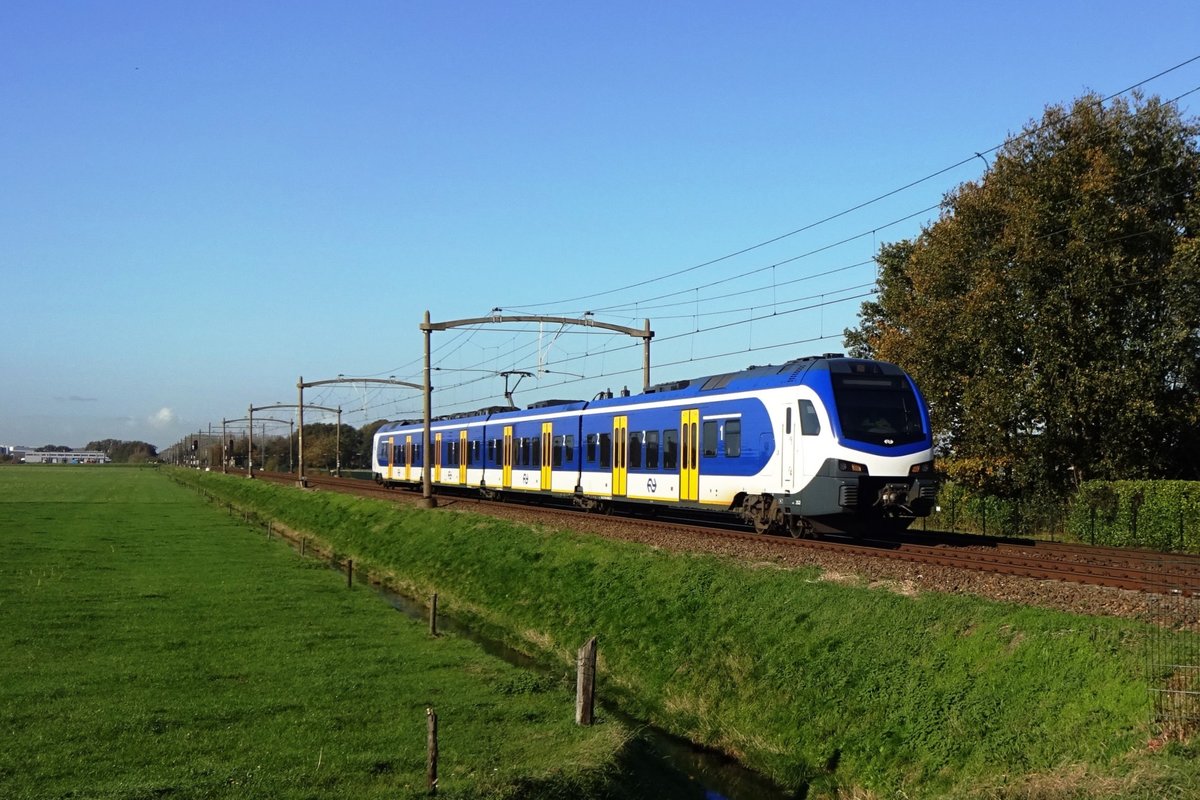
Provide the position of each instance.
(768, 376)
(771, 376)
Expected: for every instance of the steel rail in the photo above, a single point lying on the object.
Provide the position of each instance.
(1046, 562)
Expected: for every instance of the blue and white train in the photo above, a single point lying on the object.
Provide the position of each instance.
(819, 444)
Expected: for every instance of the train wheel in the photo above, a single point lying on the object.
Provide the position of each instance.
(800, 528)
(764, 513)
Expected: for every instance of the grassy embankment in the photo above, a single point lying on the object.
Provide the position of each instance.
(839, 688)
(151, 646)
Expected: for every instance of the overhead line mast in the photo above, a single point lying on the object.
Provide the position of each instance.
(644, 333)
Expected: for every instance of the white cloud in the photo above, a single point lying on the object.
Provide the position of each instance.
(163, 418)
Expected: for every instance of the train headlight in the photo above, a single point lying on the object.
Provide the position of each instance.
(923, 468)
(850, 466)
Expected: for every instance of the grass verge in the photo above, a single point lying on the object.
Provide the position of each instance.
(842, 690)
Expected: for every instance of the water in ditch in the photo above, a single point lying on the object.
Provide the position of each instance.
(675, 764)
(661, 764)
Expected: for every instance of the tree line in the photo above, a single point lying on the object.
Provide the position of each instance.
(125, 452)
(1051, 314)
(278, 453)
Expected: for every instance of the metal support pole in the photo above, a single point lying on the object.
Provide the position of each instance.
(250, 446)
(224, 453)
(291, 435)
(428, 500)
(338, 440)
(646, 357)
(300, 438)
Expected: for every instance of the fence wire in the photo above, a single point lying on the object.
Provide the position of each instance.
(1174, 655)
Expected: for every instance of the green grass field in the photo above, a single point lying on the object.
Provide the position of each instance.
(836, 689)
(151, 646)
(154, 646)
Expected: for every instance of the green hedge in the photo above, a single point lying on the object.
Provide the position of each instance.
(1163, 515)
(965, 511)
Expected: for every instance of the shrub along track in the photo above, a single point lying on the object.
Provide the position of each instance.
(1155, 587)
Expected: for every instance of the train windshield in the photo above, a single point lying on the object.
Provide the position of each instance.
(878, 409)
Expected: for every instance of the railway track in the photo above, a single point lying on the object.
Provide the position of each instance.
(1137, 570)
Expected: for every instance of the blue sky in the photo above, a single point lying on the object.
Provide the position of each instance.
(204, 201)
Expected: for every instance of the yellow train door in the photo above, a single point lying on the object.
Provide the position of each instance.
(506, 459)
(620, 445)
(408, 458)
(689, 454)
(462, 457)
(391, 457)
(547, 440)
(437, 458)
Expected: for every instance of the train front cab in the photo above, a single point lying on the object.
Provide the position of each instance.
(870, 460)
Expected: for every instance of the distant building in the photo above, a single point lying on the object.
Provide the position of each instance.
(32, 456)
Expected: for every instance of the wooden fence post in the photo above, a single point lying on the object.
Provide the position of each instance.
(585, 685)
(431, 742)
(303, 545)
(349, 573)
(433, 615)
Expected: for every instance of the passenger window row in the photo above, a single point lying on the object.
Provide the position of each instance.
(648, 450)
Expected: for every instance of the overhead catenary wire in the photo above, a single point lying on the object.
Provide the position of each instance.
(859, 206)
(646, 305)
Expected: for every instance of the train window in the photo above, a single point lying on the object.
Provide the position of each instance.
(569, 449)
(635, 450)
(535, 452)
(417, 455)
(733, 438)
(879, 409)
(606, 449)
(651, 449)
(590, 446)
(383, 454)
(810, 423)
(526, 455)
(787, 422)
(710, 439)
(670, 449)
(558, 451)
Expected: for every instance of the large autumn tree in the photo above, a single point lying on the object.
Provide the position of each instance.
(1051, 314)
